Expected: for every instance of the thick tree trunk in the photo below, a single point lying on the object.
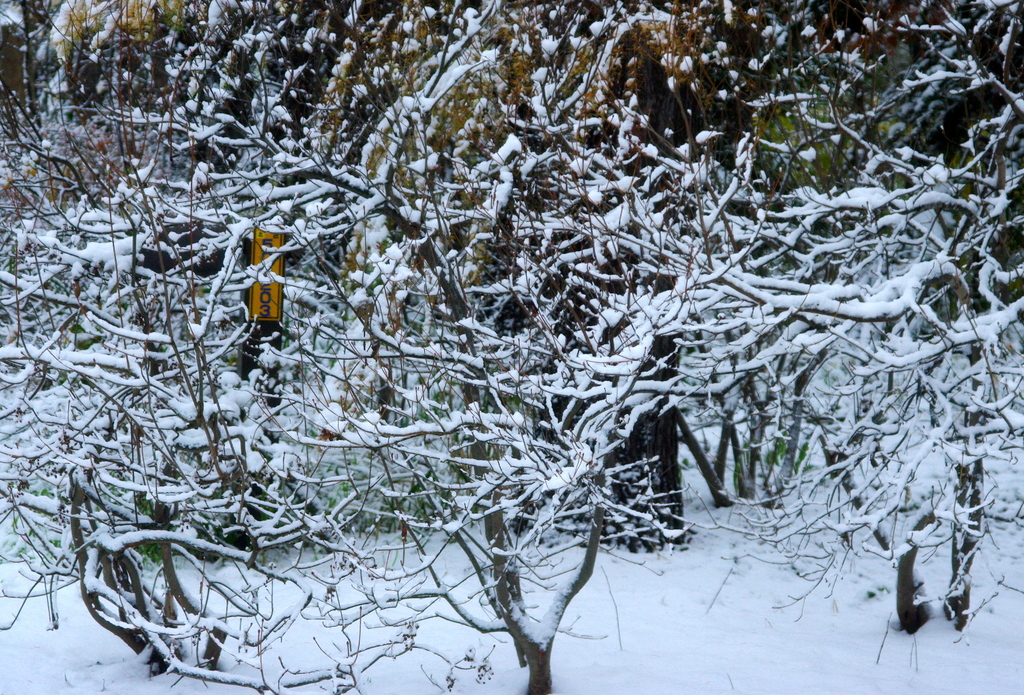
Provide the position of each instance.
(534, 649)
(538, 658)
(12, 62)
(654, 446)
(912, 615)
(654, 485)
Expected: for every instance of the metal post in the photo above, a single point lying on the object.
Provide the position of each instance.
(265, 303)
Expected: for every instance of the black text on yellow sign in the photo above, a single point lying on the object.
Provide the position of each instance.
(267, 298)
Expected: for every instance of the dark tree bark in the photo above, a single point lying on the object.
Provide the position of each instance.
(654, 485)
(539, 661)
(912, 615)
(706, 468)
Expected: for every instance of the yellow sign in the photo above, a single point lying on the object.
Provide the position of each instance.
(267, 298)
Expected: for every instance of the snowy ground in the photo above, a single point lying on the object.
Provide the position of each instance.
(697, 622)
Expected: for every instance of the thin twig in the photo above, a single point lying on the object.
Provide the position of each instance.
(618, 629)
(887, 622)
(722, 586)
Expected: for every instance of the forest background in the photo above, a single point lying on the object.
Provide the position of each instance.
(555, 280)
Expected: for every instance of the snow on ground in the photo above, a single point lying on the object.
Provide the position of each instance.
(707, 620)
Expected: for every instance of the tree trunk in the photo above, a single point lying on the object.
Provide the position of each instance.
(538, 658)
(653, 486)
(912, 615)
(969, 481)
(707, 470)
(12, 62)
(965, 543)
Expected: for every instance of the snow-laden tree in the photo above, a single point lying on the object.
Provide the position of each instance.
(531, 249)
(137, 460)
(142, 465)
(895, 258)
(483, 365)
